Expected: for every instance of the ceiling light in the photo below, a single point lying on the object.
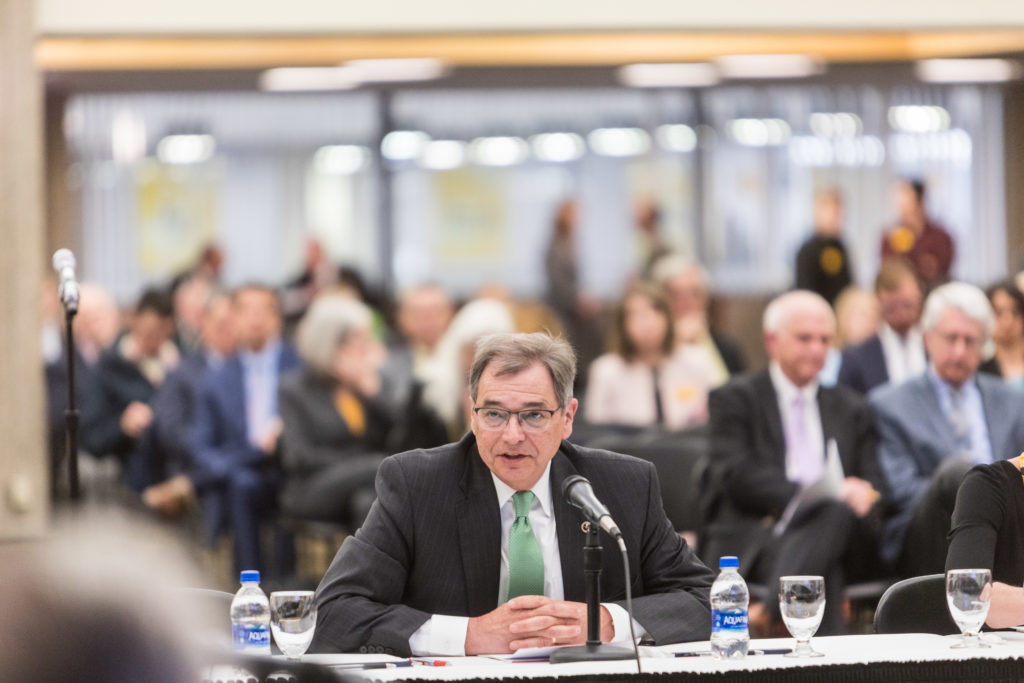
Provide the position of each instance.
(668, 75)
(307, 78)
(340, 159)
(677, 137)
(759, 132)
(185, 149)
(967, 70)
(836, 124)
(443, 155)
(403, 145)
(768, 66)
(499, 151)
(918, 118)
(558, 147)
(394, 70)
(619, 142)
(127, 137)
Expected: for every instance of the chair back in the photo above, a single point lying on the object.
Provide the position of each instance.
(915, 605)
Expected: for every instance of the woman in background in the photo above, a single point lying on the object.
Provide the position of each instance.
(1008, 336)
(646, 379)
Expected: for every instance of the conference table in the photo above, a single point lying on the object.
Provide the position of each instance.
(847, 659)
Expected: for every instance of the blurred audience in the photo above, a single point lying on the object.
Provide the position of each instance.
(117, 412)
(190, 296)
(857, 319)
(822, 264)
(446, 375)
(774, 434)
(686, 285)
(318, 273)
(647, 379)
(1007, 359)
(916, 239)
(336, 426)
(424, 313)
(650, 242)
(165, 468)
(896, 352)
(237, 425)
(935, 427)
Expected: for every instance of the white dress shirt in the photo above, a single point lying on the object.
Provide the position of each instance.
(904, 357)
(786, 392)
(446, 635)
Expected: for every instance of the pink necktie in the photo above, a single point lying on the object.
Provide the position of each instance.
(804, 464)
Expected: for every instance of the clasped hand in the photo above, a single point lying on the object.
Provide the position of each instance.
(532, 621)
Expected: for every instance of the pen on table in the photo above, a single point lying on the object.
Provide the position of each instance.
(357, 666)
(429, 662)
(707, 653)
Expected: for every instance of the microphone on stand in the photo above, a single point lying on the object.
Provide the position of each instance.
(579, 493)
(64, 264)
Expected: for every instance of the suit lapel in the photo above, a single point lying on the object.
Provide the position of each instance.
(234, 395)
(567, 524)
(933, 412)
(479, 532)
(772, 417)
(997, 423)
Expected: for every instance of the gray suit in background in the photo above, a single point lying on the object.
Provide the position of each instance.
(917, 454)
(432, 545)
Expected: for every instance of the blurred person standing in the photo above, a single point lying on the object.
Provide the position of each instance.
(822, 264)
(647, 380)
(318, 273)
(424, 313)
(896, 352)
(935, 427)
(685, 283)
(771, 438)
(1007, 360)
(165, 470)
(190, 296)
(924, 244)
(237, 426)
(650, 243)
(117, 412)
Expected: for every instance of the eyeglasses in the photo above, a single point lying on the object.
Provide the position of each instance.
(971, 342)
(531, 420)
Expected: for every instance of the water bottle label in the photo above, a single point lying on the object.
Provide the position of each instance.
(735, 620)
(254, 637)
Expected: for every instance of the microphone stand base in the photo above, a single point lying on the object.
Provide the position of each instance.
(590, 653)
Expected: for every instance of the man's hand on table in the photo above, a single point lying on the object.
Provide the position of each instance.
(532, 621)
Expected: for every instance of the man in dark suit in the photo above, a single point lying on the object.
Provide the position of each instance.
(934, 428)
(237, 425)
(896, 352)
(771, 437)
(471, 549)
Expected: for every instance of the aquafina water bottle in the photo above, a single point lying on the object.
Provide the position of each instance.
(729, 601)
(250, 616)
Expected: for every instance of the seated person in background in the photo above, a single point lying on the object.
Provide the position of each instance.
(896, 352)
(935, 427)
(424, 313)
(988, 533)
(335, 424)
(471, 548)
(165, 467)
(822, 265)
(235, 434)
(646, 379)
(1008, 334)
(686, 287)
(770, 439)
(857, 319)
(117, 413)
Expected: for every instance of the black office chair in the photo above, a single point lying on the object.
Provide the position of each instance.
(915, 605)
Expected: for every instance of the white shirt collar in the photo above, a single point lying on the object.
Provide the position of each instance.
(787, 391)
(541, 491)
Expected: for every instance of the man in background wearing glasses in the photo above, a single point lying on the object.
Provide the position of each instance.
(471, 548)
(935, 427)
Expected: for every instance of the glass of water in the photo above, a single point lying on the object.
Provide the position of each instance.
(968, 594)
(292, 620)
(802, 603)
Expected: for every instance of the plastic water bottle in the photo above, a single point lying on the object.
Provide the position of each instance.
(250, 616)
(729, 601)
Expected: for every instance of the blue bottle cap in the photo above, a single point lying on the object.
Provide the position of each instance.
(250, 576)
(729, 562)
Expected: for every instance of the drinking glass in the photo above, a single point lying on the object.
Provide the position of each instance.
(802, 603)
(292, 620)
(968, 594)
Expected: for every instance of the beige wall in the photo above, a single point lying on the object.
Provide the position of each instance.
(55, 17)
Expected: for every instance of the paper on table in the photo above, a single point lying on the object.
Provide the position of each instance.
(828, 486)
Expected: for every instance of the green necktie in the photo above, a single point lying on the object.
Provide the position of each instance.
(525, 563)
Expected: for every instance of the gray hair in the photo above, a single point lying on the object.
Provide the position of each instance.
(673, 265)
(779, 310)
(515, 352)
(327, 325)
(968, 299)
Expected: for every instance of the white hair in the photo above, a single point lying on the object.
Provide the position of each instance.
(779, 310)
(326, 326)
(968, 299)
(673, 265)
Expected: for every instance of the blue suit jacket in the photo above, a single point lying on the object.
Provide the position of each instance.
(219, 437)
(915, 437)
(863, 367)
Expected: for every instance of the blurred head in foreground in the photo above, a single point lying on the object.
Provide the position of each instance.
(98, 600)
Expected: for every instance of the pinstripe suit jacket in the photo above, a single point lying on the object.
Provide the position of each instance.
(431, 545)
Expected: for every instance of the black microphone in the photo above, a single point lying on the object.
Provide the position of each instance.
(64, 264)
(579, 493)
